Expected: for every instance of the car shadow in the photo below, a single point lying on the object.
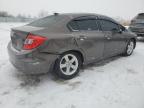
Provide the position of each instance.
(29, 81)
(101, 63)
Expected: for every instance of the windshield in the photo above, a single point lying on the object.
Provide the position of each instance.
(138, 24)
(47, 21)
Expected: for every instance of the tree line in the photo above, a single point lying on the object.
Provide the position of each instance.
(40, 14)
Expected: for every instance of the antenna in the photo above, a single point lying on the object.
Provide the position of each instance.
(56, 14)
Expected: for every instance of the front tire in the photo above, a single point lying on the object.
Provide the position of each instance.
(68, 65)
(129, 48)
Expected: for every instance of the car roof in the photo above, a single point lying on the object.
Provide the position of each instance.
(76, 15)
(141, 14)
(71, 16)
(61, 25)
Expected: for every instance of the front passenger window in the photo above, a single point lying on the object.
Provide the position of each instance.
(108, 25)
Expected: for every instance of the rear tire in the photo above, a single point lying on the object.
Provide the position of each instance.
(129, 48)
(68, 65)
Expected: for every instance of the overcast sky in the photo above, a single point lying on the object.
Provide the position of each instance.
(115, 8)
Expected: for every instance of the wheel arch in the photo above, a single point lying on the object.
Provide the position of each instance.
(134, 41)
(76, 51)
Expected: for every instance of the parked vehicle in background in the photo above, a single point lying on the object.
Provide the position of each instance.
(64, 42)
(137, 25)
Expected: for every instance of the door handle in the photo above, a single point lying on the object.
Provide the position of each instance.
(82, 37)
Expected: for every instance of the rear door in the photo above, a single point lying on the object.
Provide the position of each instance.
(114, 38)
(88, 36)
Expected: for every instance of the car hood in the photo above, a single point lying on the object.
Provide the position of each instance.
(139, 20)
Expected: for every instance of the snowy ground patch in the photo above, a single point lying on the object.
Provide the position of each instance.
(114, 83)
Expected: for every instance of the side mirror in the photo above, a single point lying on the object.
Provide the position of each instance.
(122, 28)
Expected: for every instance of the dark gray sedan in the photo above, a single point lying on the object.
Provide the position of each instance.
(62, 43)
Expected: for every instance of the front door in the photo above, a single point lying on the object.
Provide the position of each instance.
(114, 39)
(88, 37)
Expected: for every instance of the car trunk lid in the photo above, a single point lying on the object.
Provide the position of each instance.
(19, 34)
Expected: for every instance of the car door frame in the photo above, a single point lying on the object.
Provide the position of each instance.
(78, 33)
(112, 39)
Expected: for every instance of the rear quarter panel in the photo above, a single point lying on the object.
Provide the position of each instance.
(60, 43)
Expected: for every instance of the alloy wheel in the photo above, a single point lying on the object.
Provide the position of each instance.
(130, 47)
(69, 64)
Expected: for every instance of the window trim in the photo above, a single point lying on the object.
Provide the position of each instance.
(70, 28)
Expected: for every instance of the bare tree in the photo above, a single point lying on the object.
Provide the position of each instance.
(4, 14)
(42, 13)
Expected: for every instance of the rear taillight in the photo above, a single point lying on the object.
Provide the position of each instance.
(33, 41)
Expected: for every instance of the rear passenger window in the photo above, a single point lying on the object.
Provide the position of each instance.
(84, 24)
(108, 25)
(87, 24)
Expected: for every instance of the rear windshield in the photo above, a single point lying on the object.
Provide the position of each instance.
(47, 21)
(140, 16)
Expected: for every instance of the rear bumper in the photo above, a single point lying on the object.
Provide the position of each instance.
(31, 62)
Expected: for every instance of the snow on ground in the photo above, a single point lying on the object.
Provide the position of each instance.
(114, 83)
